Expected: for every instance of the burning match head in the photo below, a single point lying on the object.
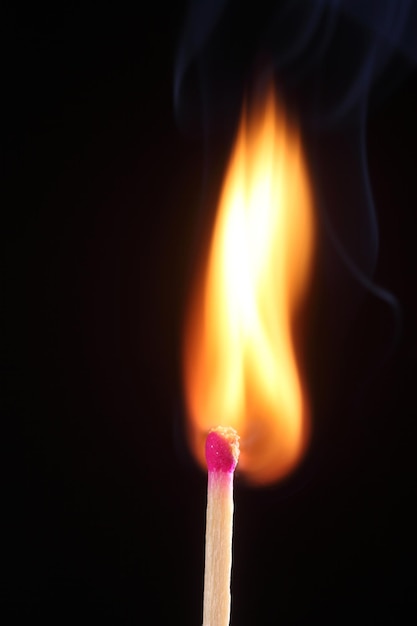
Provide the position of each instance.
(222, 449)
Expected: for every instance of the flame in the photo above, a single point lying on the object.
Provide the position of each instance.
(240, 361)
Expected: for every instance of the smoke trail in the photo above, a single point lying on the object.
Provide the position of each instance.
(330, 60)
(331, 51)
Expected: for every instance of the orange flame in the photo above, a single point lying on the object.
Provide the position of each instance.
(240, 362)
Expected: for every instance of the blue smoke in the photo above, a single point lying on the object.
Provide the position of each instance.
(331, 60)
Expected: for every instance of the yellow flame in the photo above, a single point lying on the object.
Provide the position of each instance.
(240, 362)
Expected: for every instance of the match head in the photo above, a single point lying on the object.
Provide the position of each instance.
(222, 449)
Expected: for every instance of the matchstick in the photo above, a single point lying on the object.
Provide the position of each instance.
(222, 453)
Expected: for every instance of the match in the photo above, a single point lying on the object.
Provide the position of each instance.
(222, 453)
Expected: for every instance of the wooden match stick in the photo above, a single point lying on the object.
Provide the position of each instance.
(222, 453)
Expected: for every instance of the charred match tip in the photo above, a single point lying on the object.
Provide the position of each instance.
(222, 449)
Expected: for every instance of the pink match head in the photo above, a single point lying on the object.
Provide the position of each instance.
(222, 449)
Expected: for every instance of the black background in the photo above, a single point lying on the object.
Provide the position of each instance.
(102, 507)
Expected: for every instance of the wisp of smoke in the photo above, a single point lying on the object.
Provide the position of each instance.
(328, 58)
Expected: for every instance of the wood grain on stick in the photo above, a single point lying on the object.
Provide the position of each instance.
(222, 451)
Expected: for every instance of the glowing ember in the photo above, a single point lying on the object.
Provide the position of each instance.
(240, 362)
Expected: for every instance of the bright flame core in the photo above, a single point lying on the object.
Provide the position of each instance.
(240, 363)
